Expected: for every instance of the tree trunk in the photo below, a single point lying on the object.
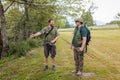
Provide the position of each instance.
(26, 21)
(3, 31)
(1, 44)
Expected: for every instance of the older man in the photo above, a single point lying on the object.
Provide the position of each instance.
(78, 45)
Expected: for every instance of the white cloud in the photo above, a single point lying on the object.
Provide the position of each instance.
(107, 9)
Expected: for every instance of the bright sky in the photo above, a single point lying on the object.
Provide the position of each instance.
(107, 10)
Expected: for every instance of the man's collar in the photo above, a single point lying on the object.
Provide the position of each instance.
(50, 26)
(79, 26)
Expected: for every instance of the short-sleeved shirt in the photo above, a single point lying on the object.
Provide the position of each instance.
(53, 34)
(77, 39)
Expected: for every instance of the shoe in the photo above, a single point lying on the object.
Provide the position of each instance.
(79, 73)
(53, 68)
(45, 68)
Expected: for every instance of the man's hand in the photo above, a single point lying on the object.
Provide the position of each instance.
(52, 41)
(31, 36)
(71, 47)
(81, 49)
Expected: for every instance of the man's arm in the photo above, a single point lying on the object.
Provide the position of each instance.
(83, 43)
(35, 35)
(55, 39)
(71, 46)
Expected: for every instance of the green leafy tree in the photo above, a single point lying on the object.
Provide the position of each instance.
(87, 15)
(23, 17)
(67, 25)
(117, 21)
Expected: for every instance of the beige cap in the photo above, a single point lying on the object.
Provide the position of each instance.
(78, 20)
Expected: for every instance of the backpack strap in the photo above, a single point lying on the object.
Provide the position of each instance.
(49, 32)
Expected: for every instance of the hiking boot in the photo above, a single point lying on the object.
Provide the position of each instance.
(54, 68)
(74, 71)
(45, 68)
(79, 73)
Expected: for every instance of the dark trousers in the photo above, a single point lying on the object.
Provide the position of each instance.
(79, 60)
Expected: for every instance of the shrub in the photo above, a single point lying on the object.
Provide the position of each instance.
(20, 48)
(33, 43)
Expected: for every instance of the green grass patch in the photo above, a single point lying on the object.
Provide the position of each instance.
(103, 59)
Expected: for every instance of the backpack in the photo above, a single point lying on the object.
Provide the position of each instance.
(88, 35)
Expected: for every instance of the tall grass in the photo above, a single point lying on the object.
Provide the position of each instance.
(20, 48)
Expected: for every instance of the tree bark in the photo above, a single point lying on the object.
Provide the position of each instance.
(26, 21)
(1, 44)
(3, 32)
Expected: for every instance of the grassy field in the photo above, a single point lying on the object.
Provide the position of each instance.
(103, 59)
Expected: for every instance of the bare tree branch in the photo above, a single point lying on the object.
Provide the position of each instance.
(9, 6)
